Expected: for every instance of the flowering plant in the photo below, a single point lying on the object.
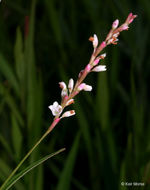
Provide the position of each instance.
(68, 92)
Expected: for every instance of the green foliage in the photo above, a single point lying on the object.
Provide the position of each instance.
(111, 127)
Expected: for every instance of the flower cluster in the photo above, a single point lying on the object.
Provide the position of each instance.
(70, 91)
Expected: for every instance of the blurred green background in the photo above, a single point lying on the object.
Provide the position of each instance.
(108, 140)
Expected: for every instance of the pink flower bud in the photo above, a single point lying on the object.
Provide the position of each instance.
(115, 24)
(87, 88)
(99, 68)
(95, 41)
(124, 27)
(130, 18)
(71, 85)
(68, 113)
(62, 85)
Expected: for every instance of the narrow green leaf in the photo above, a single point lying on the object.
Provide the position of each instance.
(65, 177)
(11, 103)
(16, 137)
(5, 144)
(5, 171)
(29, 168)
(19, 56)
(8, 73)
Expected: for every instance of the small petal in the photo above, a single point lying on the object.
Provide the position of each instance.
(115, 24)
(71, 85)
(103, 56)
(68, 113)
(99, 68)
(71, 101)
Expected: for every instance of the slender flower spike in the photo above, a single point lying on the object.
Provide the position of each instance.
(55, 108)
(68, 113)
(115, 24)
(99, 68)
(64, 91)
(71, 85)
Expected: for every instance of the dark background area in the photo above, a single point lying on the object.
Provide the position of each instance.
(108, 140)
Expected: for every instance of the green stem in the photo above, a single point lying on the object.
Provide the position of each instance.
(28, 154)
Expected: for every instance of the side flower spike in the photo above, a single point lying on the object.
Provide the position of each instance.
(55, 108)
(64, 91)
(68, 114)
(71, 85)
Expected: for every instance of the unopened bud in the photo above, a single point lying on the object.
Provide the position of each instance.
(70, 85)
(99, 68)
(115, 24)
(68, 113)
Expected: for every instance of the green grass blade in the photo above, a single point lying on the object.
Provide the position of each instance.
(29, 168)
(8, 73)
(65, 178)
(16, 137)
(19, 56)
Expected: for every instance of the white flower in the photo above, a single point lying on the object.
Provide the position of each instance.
(55, 108)
(70, 85)
(68, 113)
(99, 68)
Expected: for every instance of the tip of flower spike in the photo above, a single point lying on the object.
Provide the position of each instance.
(130, 18)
